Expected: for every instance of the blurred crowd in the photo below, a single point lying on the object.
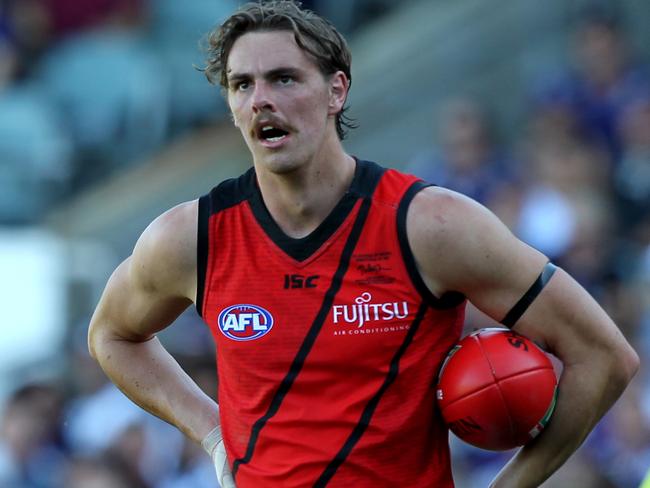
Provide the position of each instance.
(574, 183)
(90, 88)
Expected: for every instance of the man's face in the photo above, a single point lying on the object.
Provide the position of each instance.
(280, 100)
(600, 53)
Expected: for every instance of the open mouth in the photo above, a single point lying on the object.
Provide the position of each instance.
(271, 134)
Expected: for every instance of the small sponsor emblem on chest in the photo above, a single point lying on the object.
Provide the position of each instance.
(374, 268)
(245, 322)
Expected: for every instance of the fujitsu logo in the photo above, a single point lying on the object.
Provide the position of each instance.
(364, 311)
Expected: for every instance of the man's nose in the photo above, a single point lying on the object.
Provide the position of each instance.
(261, 99)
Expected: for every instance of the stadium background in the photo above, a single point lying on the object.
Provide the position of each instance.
(540, 110)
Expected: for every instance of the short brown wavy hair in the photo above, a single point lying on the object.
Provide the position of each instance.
(313, 34)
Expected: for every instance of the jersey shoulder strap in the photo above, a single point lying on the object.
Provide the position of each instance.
(448, 300)
(226, 194)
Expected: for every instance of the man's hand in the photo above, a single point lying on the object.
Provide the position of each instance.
(213, 444)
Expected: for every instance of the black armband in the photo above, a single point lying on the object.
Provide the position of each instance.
(524, 302)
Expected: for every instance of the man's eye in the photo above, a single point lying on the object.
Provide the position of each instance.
(239, 85)
(285, 80)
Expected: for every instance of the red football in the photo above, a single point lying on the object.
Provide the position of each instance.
(496, 389)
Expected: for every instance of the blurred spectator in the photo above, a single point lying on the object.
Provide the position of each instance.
(29, 26)
(94, 472)
(30, 443)
(108, 423)
(605, 79)
(113, 96)
(194, 471)
(101, 422)
(175, 34)
(35, 155)
(90, 88)
(632, 176)
(8, 60)
(70, 16)
(69, 112)
(94, 421)
(465, 157)
(620, 444)
(566, 205)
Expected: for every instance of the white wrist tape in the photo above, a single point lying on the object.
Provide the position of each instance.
(213, 445)
(211, 440)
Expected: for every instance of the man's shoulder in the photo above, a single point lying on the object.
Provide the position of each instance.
(457, 241)
(166, 251)
(434, 200)
(175, 221)
(229, 192)
(441, 216)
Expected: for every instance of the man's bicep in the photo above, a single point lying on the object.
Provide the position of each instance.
(568, 321)
(130, 309)
(502, 276)
(517, 285)
(460, 246)
(156, 283)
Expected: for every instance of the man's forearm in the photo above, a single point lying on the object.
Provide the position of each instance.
(152, 378)
(585, 394)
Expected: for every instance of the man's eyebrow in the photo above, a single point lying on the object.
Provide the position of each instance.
(234, 77)
(282, 71)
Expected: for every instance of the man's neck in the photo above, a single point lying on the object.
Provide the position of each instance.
(299, 201)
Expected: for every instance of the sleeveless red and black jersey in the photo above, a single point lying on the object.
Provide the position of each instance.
(328, 346)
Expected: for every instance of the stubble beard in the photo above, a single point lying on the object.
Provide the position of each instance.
(284, 161)
(281, 164)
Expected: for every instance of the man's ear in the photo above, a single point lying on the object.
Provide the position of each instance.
(339, 85)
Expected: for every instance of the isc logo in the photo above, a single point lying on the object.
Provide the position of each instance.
(245, 322)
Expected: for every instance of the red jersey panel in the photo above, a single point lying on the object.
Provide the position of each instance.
(327, 346)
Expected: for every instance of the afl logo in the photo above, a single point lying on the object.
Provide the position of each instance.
(245, 322)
